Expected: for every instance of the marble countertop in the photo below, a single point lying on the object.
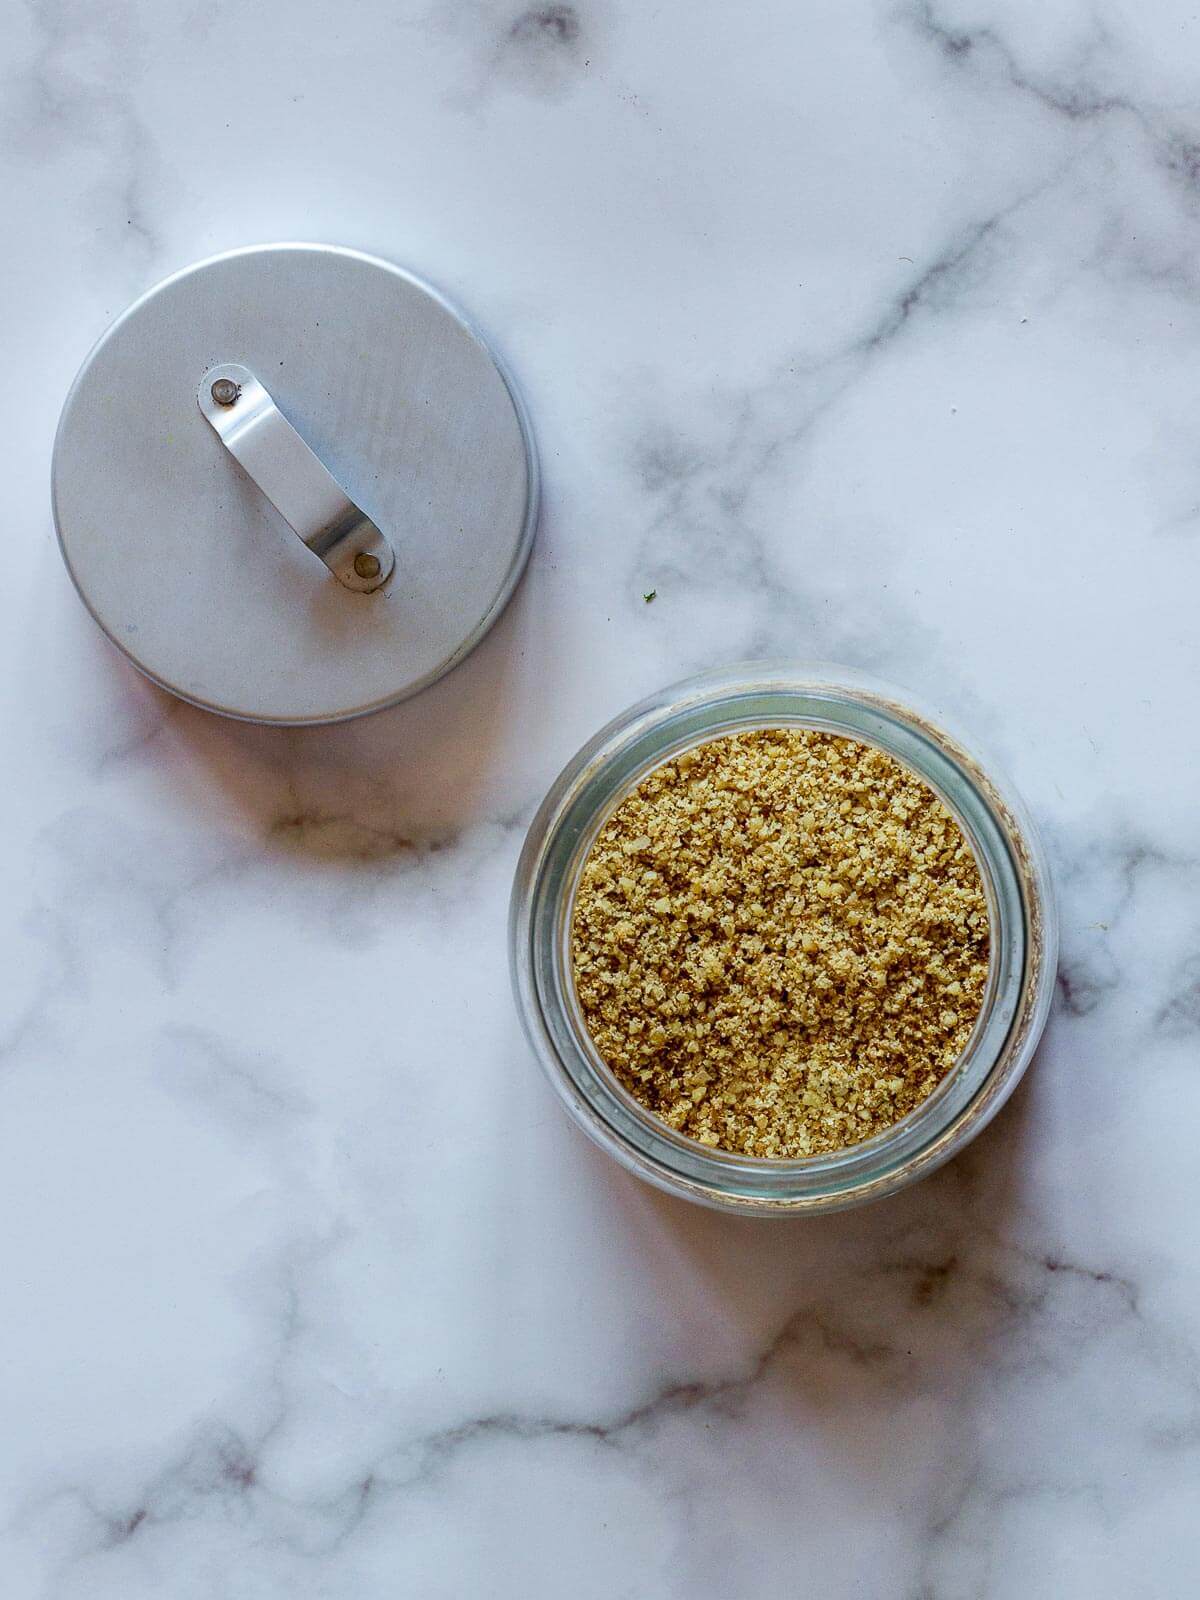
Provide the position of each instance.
(866, 333)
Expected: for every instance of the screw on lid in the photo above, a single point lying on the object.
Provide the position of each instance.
(316, 494)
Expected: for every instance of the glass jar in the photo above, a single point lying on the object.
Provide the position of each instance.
(1023, 943)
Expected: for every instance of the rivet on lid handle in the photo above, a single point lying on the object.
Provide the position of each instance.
(300, 487)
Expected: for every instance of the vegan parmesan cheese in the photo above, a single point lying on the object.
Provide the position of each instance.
(779, 942)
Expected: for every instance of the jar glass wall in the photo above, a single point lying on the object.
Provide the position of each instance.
(1022, 946)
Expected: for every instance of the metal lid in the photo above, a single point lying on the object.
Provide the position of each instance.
(293, 484)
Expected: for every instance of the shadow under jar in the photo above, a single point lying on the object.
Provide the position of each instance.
(1022, 944)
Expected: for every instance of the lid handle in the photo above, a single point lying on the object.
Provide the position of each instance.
(304, 492)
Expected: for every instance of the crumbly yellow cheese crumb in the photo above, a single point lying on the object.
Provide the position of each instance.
(780, 942)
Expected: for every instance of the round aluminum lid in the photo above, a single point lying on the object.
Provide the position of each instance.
(409, 423)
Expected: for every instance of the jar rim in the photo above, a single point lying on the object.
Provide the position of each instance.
(1021, 928)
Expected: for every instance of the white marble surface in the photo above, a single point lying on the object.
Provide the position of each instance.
(863, 332)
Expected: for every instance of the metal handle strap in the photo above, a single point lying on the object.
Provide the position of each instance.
(304, 492)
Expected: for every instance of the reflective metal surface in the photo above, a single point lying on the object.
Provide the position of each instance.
(391, 396)
(304, 492)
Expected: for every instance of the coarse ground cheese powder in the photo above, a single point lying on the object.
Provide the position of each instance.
(780, 942)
